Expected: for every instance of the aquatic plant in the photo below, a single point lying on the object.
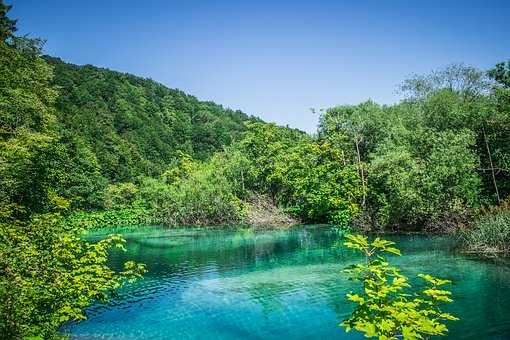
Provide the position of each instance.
(490, 233)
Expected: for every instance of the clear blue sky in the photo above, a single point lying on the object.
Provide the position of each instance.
(274, 59)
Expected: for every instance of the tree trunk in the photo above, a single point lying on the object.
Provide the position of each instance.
(361, 172)
(491, 164)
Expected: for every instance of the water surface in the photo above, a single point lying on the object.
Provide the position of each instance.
(275, 284)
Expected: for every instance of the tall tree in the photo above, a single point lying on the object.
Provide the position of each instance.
(501, 74)
(7, 25)
(458, 78)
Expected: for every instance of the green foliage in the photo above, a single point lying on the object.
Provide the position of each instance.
(309, 178)
(26, 121)
(315, 183)
(49, 275)
(204, 196)
(100, 127)
(30, 146)
(260, 145)
(27, 98)
(135, 126)
(7, 25)
(98, 139)
(121, 195)
(423, 175)
(75, 139)
(304, 176)
(384, 308)
(501, 73)
(431, 158)
(178, 169)
(464, 80)
(490, 234)
(110, 218)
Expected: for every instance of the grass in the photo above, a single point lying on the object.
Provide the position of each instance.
(490, 234)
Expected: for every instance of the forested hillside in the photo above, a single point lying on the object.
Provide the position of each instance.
(134, 125)
(130, 126)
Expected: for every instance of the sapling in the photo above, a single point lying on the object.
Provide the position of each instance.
(386, 307)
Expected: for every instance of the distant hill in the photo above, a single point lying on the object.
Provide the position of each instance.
(135, 125)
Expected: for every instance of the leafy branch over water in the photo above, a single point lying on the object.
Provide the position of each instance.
(384, 307)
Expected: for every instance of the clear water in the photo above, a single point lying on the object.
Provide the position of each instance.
(279, 284)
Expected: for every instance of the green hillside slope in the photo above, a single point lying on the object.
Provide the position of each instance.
(134, 125)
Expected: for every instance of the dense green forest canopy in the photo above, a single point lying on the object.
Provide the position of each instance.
(137, 126)
(431, 161)
(127, 126)
(441, 152)
(112, 127)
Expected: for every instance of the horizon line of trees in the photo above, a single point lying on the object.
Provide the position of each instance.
(432, 161)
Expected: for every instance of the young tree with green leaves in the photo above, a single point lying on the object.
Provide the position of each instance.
(49, 275)
(386, 307)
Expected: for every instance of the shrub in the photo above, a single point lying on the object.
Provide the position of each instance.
(490, 234)
(315, 185)
(202, 195)
(109, 218)
(120, 195)
(49, 275)
(423, 177)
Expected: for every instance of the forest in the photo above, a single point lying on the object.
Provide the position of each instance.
(82, 147)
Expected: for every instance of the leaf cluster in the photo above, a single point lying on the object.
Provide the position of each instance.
(386, 307)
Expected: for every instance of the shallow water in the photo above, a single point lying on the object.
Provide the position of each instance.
(285, 284)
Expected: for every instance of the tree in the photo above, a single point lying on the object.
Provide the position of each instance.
(384, 308)
(7, 25)
(27, 128)
(501, 74)
(315, 184)
(459, 78)
(356, 130)
(260, 144)
(421, 177)
(136, 126)
(49, 274)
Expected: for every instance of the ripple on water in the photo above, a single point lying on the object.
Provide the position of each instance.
(223, 284)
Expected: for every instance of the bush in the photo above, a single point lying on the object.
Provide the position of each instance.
(490, 234)
(311, 179)
(49, 275)
(109, 218)
(120, 195)
(423, 179)
(315, 185)
(205, 197)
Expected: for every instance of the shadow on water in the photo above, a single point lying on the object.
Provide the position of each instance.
(266, 284)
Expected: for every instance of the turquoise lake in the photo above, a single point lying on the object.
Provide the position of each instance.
(276, 284)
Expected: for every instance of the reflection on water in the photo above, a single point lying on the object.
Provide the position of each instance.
(286, 284)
